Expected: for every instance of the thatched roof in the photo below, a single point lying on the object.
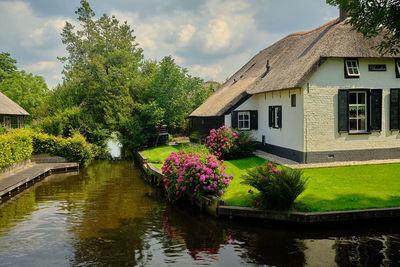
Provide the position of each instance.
(9, 107)
(292, 61)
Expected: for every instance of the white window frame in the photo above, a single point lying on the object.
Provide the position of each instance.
(352, 66)
(357, 117)
(243, 113)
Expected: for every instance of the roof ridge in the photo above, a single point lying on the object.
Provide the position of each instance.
(310, 31)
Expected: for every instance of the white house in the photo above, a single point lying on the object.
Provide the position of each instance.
(317, 96)
(11, 114)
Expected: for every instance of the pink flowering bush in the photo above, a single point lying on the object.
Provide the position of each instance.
(194, 173)
(279, 187)
(228, 143)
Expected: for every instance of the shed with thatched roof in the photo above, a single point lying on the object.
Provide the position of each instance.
(11, 114)
(315, 96)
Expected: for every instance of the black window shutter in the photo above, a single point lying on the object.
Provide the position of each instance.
(279, 117)
(253, 120)
(343, 111)
(271, 116)
(234, 119)
(376, 109)
(394, 109)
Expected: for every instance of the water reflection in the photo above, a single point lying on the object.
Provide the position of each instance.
(105, 215)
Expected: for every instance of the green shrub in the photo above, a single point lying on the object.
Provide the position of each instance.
(278, 188)
(14, 147)
(73, 148)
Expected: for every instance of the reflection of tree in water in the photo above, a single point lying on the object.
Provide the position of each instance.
(205, 235)
(197, 232)
(269, 246)
(112, 224)
(392, 251)
(359, 251)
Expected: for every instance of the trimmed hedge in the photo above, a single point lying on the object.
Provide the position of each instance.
(18, 145)
(14, 147)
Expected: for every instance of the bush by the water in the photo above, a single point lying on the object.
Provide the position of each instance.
(228, 143)
(18, 145)
(73, 148)
(194, 173)
(278, 187)
(14, 147)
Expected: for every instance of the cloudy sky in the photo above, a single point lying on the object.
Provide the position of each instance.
(211, 38)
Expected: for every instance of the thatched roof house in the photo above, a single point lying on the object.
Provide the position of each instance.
(11, 114)
(292, 62)
(313, 96)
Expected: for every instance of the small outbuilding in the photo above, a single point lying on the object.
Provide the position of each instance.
(11, 114)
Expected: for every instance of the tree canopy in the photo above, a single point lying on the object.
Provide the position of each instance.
(109, 86)
(374, 17)
(27, 90)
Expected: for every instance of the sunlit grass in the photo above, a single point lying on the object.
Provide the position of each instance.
(327, 189)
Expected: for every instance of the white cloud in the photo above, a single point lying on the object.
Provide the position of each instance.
(41, 65)
(210, 71)
(186, 33)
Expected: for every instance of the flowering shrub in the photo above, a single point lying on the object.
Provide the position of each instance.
(227, 143)
(195, 173)
(278, 187)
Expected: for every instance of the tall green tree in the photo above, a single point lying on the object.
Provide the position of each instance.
(374, 17)
(7, 65)
(102, 67)
(176, 92)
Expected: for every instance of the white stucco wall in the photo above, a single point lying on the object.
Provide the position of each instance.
(291, 134)
(321, 107)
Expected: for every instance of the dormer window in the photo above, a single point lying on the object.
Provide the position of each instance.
(351, 68)
(397, 68)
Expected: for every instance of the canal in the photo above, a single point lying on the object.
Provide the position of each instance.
(105, 215)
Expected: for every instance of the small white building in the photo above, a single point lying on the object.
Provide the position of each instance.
(317, 96)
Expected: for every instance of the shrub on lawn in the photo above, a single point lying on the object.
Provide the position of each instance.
(228, 143)
(278, 188)
(194, 173)
(195, 149)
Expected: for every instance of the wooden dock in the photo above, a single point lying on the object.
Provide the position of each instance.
(18, 180)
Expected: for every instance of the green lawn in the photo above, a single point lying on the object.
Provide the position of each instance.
(338, 188)
(351, 187)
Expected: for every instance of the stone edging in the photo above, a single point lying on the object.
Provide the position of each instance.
(216, 206)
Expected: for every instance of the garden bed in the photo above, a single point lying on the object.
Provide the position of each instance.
(328, 189)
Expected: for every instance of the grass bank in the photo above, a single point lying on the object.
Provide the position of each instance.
(328, 189)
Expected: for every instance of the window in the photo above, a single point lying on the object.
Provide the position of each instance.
(377, 67)
(351, 69)
(293, 100)
(244, 120)
(394, 109)
(275, 117)
(397, 68)
(357, 111)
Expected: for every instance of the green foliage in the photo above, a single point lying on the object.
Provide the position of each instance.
(139, 131)
(278, 188)
(372, 17)
(101, 68)
(73, 148)
(7, 65)
(14, 147)
(27, 90)
(175, 92)
(70, 121)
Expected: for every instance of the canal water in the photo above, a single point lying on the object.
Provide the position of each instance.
(105, 215)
